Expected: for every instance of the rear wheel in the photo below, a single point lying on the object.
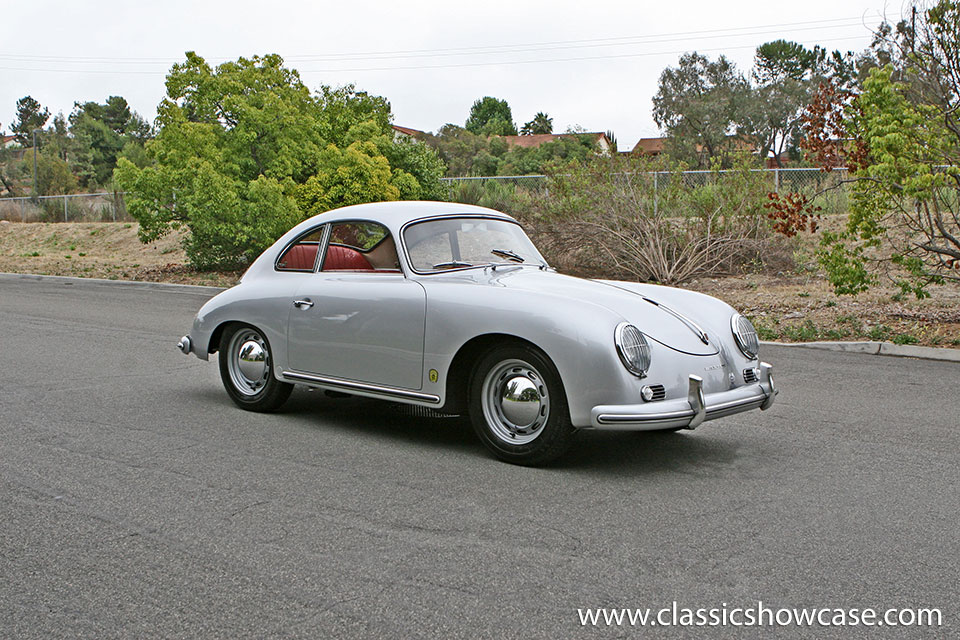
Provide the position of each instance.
(518, 407)
(246, 368)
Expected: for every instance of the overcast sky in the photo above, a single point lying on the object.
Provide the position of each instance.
(591, 62)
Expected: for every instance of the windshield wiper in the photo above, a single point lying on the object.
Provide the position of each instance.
(452, 264)
(507, 255)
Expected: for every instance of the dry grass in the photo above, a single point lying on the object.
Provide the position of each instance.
(803, 308)
(787, 306)
(108, 250)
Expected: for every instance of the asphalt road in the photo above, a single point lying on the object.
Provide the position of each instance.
(137, 501)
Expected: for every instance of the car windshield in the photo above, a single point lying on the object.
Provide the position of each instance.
(454, 243)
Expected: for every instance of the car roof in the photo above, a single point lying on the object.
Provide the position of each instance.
(395, 214)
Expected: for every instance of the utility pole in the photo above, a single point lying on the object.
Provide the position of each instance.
(913, 30)
(35, 192)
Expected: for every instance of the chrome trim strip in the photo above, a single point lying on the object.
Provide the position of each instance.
(322, 248)
(613, 418)
(690, 324)
(733, 404)
(361, 386)
(693, 326)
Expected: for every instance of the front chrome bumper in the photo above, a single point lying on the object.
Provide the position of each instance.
(688, 412)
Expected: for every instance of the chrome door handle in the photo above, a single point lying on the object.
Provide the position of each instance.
(306, 303)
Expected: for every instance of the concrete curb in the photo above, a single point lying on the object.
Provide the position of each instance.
(878, 348)
(136, 284)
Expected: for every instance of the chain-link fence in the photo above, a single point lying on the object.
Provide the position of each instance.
(77, 207)
(825, 188)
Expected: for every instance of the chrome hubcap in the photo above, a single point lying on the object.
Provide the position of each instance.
(515, 402)
(248, 362)
(252, 360)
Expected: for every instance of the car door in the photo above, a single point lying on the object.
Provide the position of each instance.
(359, 318)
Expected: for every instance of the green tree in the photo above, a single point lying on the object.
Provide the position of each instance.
(698, 104)
(348, 176)
(30, 116)
(343, 107)
(56, 137)
(570, 149)
(541, 123)
(54, 177)
(900, 139)
(100, 133)
(787, 75)
(460, 149)
(780, 60)
(244, 151)
(491, 117)
(422, 163)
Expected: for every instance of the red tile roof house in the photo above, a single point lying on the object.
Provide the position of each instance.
(6, 141)
(648, 147)
(406, 133)
(652, 147)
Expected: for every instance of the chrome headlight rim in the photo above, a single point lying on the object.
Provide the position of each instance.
(636, 363)
(749, 348)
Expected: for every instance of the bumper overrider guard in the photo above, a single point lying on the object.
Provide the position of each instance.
(690, 412)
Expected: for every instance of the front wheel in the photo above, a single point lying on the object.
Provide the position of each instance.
(518, 407)
(246, 368)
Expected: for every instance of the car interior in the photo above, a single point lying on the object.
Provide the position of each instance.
(354, 246)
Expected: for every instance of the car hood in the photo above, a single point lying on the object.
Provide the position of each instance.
(667, 324)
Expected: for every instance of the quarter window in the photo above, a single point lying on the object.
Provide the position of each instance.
(361, 247)
(302, 254)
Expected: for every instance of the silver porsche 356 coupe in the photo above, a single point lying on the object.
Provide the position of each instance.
(450, 306)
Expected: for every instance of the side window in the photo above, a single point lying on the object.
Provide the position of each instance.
(302, 254)
(361, 246)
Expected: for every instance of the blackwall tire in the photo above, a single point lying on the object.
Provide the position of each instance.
(246, 369)
(518, 407)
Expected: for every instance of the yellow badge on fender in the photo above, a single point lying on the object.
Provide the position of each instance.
(434, 376)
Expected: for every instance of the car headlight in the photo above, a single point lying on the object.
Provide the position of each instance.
(745, 336)
(632, 348)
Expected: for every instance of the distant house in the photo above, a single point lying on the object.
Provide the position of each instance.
(406, 133)
(8, 141)
(650, 147)
(772, 163)
(603, 143)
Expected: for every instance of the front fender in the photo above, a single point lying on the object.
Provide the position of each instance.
(576, 336)
(263, 303)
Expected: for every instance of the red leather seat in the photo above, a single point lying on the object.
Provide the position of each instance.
(340, 258)
(300, 257)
